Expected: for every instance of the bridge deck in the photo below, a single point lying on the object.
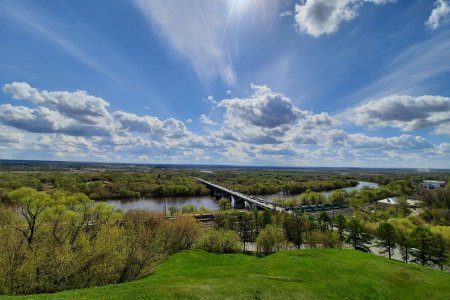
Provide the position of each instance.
(251, 199)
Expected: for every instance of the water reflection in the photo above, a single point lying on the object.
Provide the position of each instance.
(210, 203)
(158, 204)
(360, 185)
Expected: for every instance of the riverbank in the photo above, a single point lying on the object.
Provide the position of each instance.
(207, 202)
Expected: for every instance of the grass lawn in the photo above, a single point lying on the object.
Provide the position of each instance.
(303, 274)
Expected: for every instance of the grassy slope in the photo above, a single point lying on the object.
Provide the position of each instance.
(304, 274)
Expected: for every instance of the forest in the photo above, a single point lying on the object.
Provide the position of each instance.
(105, 184)
(55, 236)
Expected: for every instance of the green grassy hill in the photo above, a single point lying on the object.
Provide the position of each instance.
(304, 274)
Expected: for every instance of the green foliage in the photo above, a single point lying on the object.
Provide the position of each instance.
(309, 197)
(404, 229)
(190, 208)
(271, 239)
(64, 241)
(340, 222)
(108, 184)
(224, 204)
(357, 236)
(338, 196)
(32, 205)
(422, 240)
(440, 251)
(220, 241)
(387, 235)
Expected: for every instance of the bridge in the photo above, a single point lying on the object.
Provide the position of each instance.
(237, 199)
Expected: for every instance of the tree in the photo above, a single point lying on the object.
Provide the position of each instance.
(422, 240)
(404, 228)
(357, 236)
(190, 208)
(224, 204)
(325, 221)
(386, 233)
(32, 207)
(244, 227)
(310, 197)
(402, 206)
(340, 222)
(296, 228)
(338, 196)
(220, 241)
(271, 239)
(440, 251)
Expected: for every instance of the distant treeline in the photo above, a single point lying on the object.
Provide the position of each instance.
(107, 185)
(102, 184)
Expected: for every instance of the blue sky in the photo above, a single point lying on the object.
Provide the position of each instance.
(249, 82)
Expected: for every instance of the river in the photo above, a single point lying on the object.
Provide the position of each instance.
(157, 204)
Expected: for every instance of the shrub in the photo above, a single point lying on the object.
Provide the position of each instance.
(220, 241)
(271, 239)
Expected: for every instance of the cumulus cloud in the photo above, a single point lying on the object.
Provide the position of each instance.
(10, 135)
(318, 17)
(403, 142)
(405, 112)
(264, 127)
(267, 117)
(206, 121)
(439, 14)
(80, 114)
(44, 120)
(264, 108)
(77, 105)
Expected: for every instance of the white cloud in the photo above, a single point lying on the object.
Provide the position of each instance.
(189, 120)
(194, 31)
(207, 121)
(10, 135)
(405, 112)
(318, 17)
(286, 13)
(203, 32)
(77, 105)
(267, 117)
(265, 127)
(403, 142)
(211, 99)
(439, 14)
(44, 120)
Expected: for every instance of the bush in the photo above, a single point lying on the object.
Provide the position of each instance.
(220, 241)
(271, 239)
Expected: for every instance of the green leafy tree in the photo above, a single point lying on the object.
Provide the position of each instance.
(325, 222)
(224, 204)
(244, 227)
(338, 196)
(190, 208)
(271, 239)
(404, 229)
(387, 235)
(340, 223)
(296, 228)
(440, 251)
(220, 241)
(402, 207)
(33, 205)
(422, 240)
(357, 236)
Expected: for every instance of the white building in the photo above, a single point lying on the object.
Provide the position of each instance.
(391, 202)
(432, 184)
